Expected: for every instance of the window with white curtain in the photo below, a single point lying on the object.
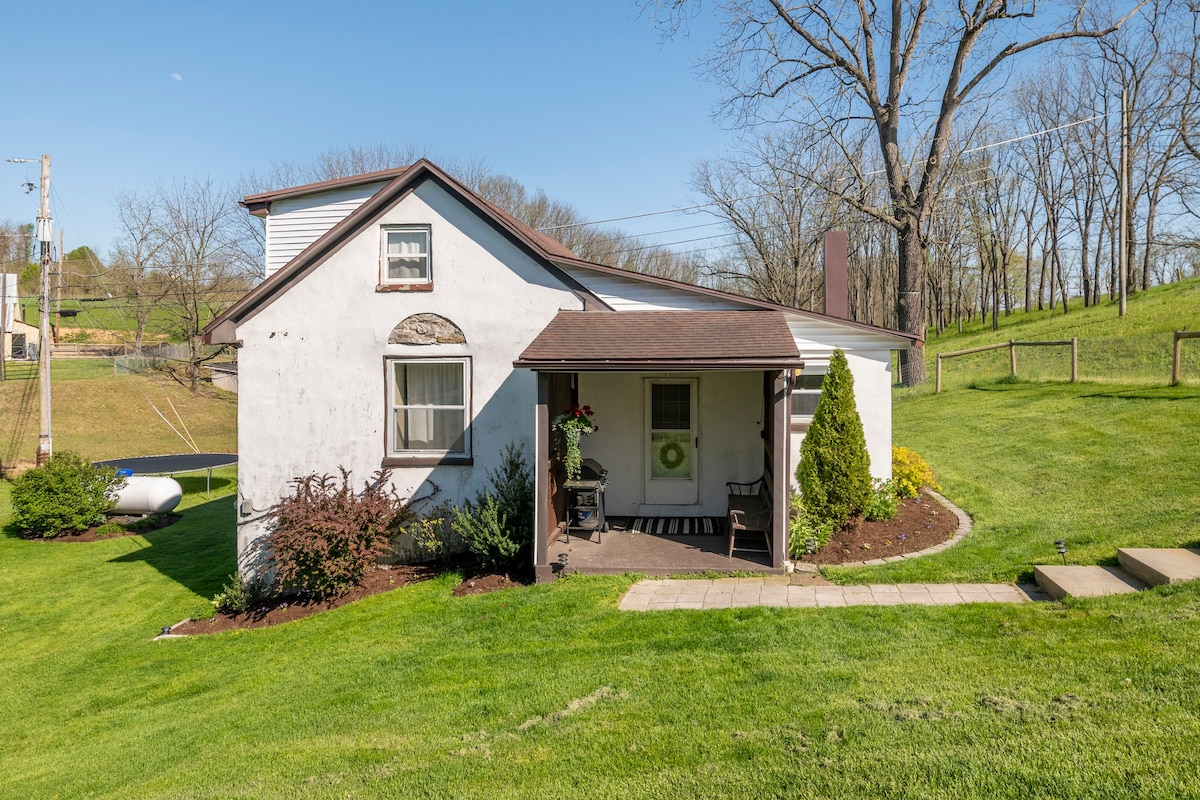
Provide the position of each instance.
(405, 256)
(429, 404)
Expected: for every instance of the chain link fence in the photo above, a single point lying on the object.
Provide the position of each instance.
(149, 358)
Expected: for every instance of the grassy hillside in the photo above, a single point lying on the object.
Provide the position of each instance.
(104, 321)
(1100, 464)
(101, 416)
(1131, 349)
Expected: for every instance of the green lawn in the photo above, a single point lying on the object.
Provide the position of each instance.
(1101, 466)
(61, 369)
(549, 691)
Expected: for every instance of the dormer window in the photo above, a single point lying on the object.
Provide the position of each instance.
(405, 261)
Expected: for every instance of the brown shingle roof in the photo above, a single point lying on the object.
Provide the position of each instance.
(597, 341)
(321, 186)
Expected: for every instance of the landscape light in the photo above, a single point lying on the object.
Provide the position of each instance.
(562, 560)
(810, 544)
(1061, 546)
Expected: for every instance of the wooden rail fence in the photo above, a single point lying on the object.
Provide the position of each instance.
(1012, 356)
(1179, 337)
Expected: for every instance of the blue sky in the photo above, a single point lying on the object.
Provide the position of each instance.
(583, 100)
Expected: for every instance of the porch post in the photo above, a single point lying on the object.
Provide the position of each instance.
(541, 460)
(781, 446)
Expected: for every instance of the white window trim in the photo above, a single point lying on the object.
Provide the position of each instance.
(392, 452)
(810, 368)
(384, 278)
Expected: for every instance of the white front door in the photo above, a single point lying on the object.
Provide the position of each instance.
(671, 442)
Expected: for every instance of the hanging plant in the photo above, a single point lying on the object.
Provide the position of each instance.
(571, 426)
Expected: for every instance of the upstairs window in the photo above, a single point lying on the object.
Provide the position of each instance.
(405, 258)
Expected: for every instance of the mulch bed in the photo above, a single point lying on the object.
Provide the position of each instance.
(382, 579)
(919, 523)
(159, 522)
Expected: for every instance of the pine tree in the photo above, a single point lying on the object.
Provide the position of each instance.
(835, 470)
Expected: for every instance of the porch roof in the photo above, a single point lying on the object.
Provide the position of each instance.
(597, 341)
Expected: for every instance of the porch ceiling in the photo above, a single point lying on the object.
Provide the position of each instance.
(594, 341)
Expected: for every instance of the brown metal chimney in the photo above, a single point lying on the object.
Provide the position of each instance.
(837, 293)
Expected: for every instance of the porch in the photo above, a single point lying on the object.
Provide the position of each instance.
(620, 550)
(686, 401)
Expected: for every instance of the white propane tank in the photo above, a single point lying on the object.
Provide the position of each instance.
(143, 494)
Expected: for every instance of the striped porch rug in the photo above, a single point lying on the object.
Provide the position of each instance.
(678, 526)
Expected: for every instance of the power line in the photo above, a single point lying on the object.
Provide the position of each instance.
(669, 244)
(683, 209)
(667, 230)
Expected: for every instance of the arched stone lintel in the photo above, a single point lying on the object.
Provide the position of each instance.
(426, 329)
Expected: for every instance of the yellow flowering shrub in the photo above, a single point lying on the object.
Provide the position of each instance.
(910, 473)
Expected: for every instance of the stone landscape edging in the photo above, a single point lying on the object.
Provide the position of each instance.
(964, 527)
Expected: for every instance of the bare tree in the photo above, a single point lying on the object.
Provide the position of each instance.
(1144, 61)
(842, 68)
(136, 276)
(200, 260)
(1044, 105)
(1189, 67)
(774, 217)
(991, 204)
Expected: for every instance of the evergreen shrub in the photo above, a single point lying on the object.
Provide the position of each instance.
(835, 470)
(498, 525)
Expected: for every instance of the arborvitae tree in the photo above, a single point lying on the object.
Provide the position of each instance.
(835, 470)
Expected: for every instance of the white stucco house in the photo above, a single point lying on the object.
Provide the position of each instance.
(407, 323)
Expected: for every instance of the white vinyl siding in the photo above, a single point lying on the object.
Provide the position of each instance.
(295, 223)
(629, 294)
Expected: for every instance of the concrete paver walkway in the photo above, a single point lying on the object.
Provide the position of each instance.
(781, 592)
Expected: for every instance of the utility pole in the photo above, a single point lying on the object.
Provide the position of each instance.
(1123, 191)
(45, 234)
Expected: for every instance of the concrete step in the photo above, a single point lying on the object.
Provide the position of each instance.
(1059, 582)
(1160, 565)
